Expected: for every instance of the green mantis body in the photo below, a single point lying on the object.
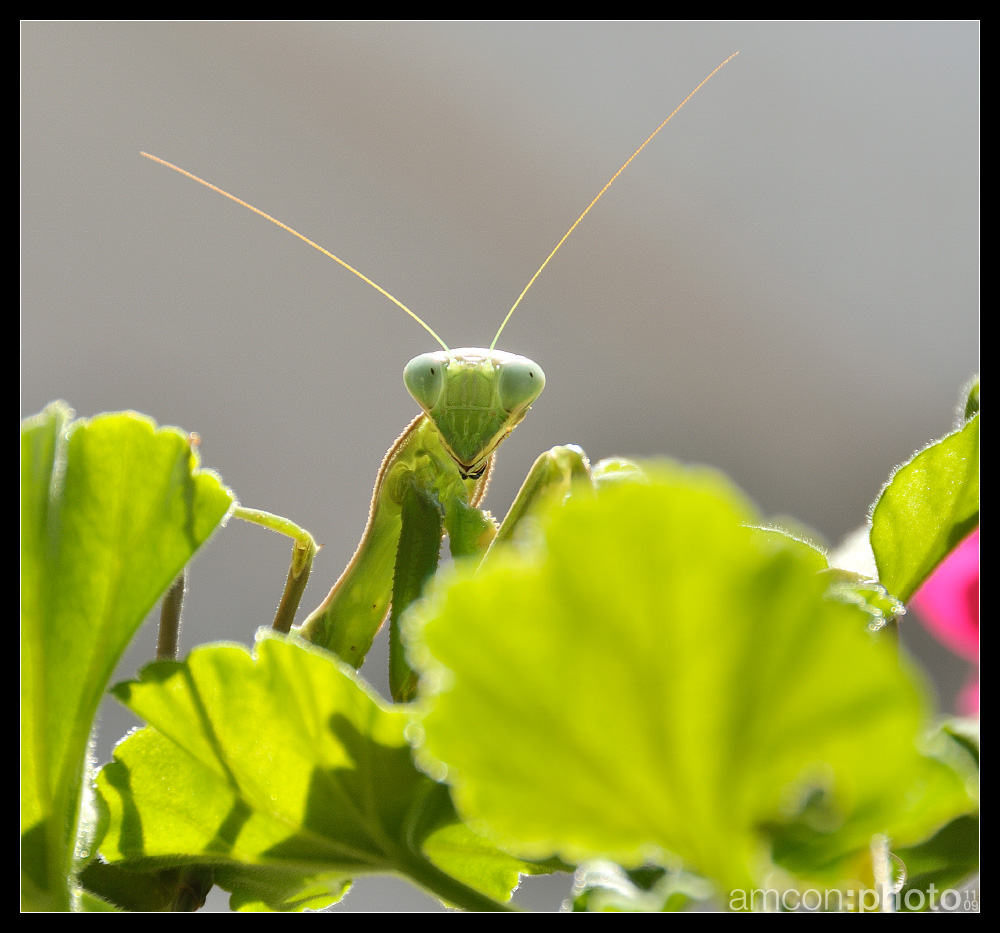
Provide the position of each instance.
(432, 481)
(435, 475)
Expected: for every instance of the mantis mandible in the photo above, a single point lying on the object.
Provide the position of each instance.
(434, 477)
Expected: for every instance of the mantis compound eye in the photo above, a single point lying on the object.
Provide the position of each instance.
(424, 379)
(521, 382)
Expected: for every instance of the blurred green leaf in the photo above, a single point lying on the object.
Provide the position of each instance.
(930, 504)
(943, 861)
(604, 887)
(951, 855)
(285, 773)
(870, 595)
(781, 538)
(964, 731)
(111, 511)
(661, 678)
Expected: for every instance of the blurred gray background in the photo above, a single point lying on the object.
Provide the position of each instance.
(784, 285)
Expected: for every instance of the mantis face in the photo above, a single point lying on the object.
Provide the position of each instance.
(474, 397)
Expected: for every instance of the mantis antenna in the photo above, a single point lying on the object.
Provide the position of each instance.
(601, 192)
(392, 298)
(305, 239)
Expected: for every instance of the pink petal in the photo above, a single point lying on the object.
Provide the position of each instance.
(948, 602)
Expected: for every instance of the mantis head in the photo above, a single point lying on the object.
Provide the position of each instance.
(474, 397)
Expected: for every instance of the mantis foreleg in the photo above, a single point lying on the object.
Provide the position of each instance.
(421, 527)
(347, 620)
(550, 478)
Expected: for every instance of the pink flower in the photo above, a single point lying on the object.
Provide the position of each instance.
(948, 603)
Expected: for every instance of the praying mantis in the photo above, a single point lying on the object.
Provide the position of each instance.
(434, 477)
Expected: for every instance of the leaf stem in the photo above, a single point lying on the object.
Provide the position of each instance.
(168, 636)
(303, 551)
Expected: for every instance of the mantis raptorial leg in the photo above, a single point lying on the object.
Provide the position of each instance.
(435, 475)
